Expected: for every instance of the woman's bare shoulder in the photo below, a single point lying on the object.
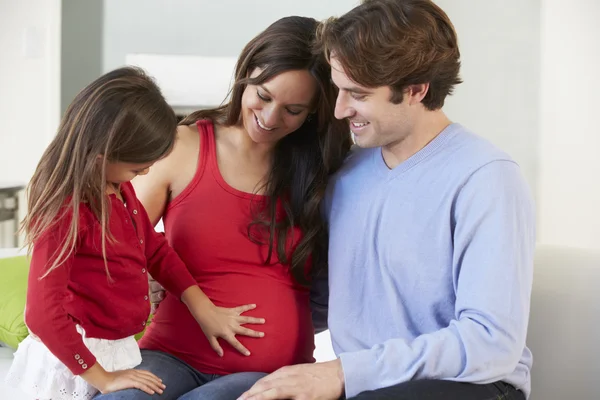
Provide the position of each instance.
(183, 160)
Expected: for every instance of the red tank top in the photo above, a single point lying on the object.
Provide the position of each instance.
(207, 226)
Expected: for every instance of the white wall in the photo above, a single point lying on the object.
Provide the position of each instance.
(199, 27)
(29, 83)
(499, 98)
(570, 143)
(29, 86)
(81, 46)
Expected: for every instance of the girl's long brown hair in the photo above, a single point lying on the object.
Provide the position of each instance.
(120, 117)
(304, 159)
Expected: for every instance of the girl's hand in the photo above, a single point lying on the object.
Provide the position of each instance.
(107, 382)
(218, 322)
(132, 378)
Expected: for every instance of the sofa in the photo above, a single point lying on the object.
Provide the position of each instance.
(564, 325)
(563, 328)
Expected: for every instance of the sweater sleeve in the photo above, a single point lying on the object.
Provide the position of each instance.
(494, 237)
(164, 264)
(45, 314)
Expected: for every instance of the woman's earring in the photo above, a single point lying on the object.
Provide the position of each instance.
(310, 117)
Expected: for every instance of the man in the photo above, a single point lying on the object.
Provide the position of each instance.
(431, 228)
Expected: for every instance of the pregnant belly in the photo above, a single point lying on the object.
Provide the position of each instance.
(289, 334)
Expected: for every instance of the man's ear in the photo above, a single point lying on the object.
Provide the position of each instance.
(416, 93)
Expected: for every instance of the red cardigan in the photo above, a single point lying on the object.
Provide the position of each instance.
(80, 291)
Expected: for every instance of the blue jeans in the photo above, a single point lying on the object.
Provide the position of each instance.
(184, 382)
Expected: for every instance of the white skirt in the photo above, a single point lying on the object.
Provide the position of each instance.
(37, 372)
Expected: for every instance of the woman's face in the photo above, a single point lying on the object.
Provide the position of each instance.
(279, 106)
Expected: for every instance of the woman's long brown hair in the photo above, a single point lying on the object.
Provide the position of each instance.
(120, 117)
(304, 159)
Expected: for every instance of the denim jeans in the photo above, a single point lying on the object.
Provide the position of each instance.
(184, 382)
(443, 390)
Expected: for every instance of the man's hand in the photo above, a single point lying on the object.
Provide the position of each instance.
(320, 381)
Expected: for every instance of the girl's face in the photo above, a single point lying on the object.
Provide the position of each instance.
(279, 106)
(121, 172)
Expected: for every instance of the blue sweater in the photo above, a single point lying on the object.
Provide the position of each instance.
(431, 265)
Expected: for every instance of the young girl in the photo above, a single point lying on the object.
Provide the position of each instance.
(94, 246)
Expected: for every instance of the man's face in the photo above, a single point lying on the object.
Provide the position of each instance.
(374, 120)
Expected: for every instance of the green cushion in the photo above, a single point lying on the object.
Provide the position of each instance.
(13, 291)
(139, 335)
